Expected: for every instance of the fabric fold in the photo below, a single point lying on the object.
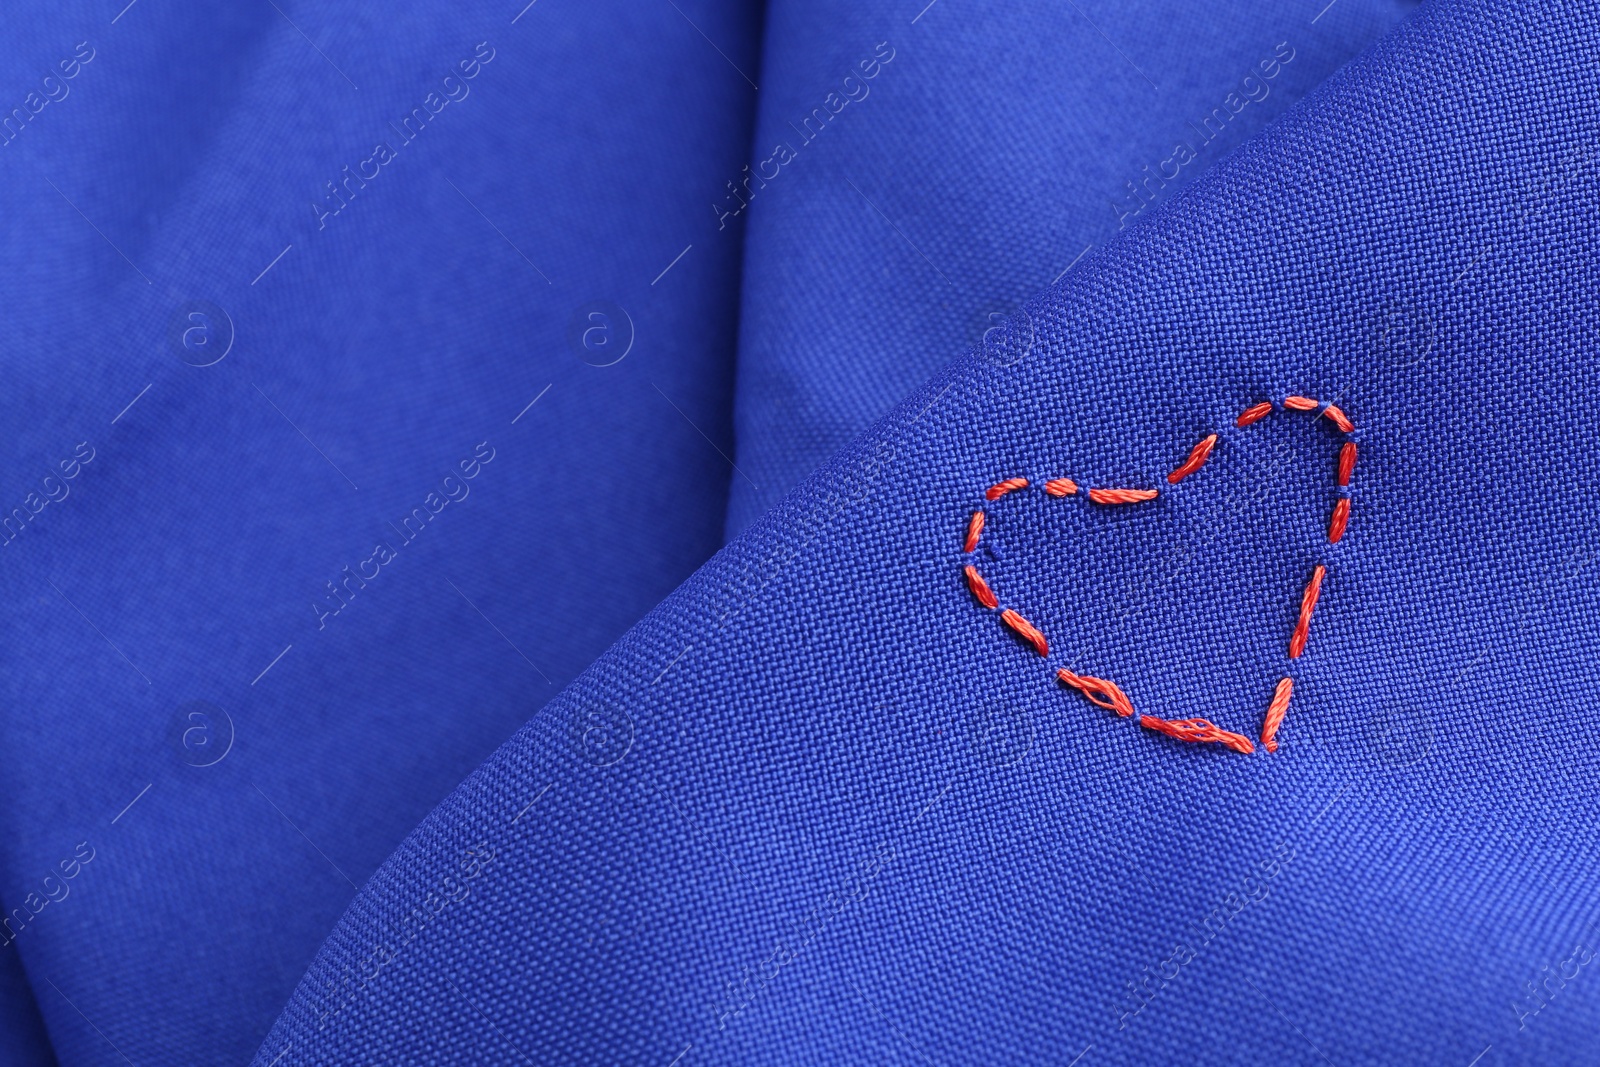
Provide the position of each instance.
(915, 177)
(345, 347)
(823, 805)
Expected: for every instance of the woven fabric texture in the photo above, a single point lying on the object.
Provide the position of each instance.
(819, 807)
(994, 151)
(374, 326)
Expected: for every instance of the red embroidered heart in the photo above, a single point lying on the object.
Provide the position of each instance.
(1109, 695)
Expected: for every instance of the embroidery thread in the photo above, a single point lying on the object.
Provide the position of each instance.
(1275, 712)
(1108, 695)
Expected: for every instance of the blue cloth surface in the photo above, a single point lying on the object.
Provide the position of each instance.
(383, 356)
(894, 220)
(374, 370)
(820, 807)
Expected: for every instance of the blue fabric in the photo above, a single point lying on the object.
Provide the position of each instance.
(319, 495)
(22, 1034)
(397, 340)
(991, 154)
(818, 807)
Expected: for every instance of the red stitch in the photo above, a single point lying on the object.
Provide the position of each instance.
(980, 589)
(974, 530)
(1121, 496)
(1000, 489)
(1197, 458)
(1197, 730)
(1101, 693)
(1061, 487)
(1275, 713)
(1255, 413)
(1026, 631)
(1308, 601)
(1341, 518)
(1108, 695)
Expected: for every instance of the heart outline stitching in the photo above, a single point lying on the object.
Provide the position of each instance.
(1106, 694)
